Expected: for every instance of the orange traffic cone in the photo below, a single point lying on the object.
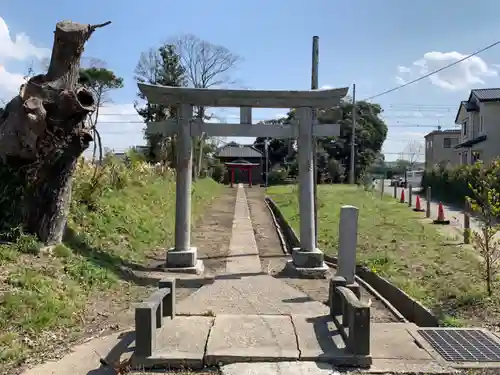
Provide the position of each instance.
(418, 208)
(402, 199)
(441, 219)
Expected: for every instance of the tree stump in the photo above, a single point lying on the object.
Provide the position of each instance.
(42, 133)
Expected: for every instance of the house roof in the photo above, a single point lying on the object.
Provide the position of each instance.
(235, 150)
(445, 131)
(481, 95)
(485, 94)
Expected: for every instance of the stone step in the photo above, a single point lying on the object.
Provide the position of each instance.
(199, 341)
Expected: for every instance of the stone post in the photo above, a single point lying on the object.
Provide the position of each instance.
(308, 256)
(183, 256)
(382, 185)
(467, 231)
(428, 196)
(348, 239)
(410, 195)
(395, 191)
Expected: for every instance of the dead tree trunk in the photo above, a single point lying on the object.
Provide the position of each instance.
(42, 134)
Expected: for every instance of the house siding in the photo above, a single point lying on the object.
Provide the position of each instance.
(436, 153)
(487, 149)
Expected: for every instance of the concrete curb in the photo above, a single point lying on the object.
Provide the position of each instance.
(277, 225)
(397, 301)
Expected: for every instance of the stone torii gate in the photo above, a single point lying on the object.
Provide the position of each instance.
(183, 257)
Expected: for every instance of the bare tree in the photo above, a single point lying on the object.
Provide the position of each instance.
(413, 151)
(207, 65)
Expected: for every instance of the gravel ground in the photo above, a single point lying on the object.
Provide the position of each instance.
(273, 258)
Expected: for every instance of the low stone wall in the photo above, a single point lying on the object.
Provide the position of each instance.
(352, 318)
(149, 316)
(410, 308)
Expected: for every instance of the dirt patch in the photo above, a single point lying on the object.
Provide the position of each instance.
(273, 258)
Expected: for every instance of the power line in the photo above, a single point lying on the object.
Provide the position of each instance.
(434, 72)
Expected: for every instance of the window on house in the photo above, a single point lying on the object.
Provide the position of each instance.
(464, 127)
(481, 124)
(449, 142)
(429, 143)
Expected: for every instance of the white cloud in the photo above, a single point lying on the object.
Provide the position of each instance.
(403, 69)
(9, 83)
(20, 47)
(464, 75)
(400, 80)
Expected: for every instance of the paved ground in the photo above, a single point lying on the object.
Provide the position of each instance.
(245, 314)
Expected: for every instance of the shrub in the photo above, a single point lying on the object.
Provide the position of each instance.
(485, 202)
(451, 184)
(277, 177)
(91, 181)
(218, 172)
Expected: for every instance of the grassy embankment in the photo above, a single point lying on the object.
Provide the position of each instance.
(411, 253)
(44, 294)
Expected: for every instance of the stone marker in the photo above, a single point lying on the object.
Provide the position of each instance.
(348, 238)
(428, 199)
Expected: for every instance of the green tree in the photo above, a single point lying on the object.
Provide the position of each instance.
(371, 132)
(100, 81)
(160, 66)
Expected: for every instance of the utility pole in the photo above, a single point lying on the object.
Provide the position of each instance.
(266, 168)
(314, 86)
(353, 136)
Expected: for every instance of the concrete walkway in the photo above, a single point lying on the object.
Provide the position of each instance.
(243, 252)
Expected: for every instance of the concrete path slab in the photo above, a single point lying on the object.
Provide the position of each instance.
(243, 252)
(260, 294)
(83, 359)
(247, 338)
(318, 338)
(317, 368)
(277, 368)
(181, 342)
(393, 340)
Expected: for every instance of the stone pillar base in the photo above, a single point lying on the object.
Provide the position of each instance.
(308, 263)
(184, 261)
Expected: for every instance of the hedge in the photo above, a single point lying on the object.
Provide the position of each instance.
(453, 185)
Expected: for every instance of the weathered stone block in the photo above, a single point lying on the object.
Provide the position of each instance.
(308, 259)
(168, 303)
(334, 298)
(181, 259)
(145, 329)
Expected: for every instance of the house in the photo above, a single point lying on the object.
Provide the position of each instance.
(242, 154)
(440, 148)
(479, 118)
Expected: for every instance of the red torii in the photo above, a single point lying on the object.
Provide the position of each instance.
(244, 166)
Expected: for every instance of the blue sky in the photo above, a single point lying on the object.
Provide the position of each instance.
(375, 44)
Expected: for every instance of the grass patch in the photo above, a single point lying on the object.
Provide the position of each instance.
(44, 292)
(412, 254)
